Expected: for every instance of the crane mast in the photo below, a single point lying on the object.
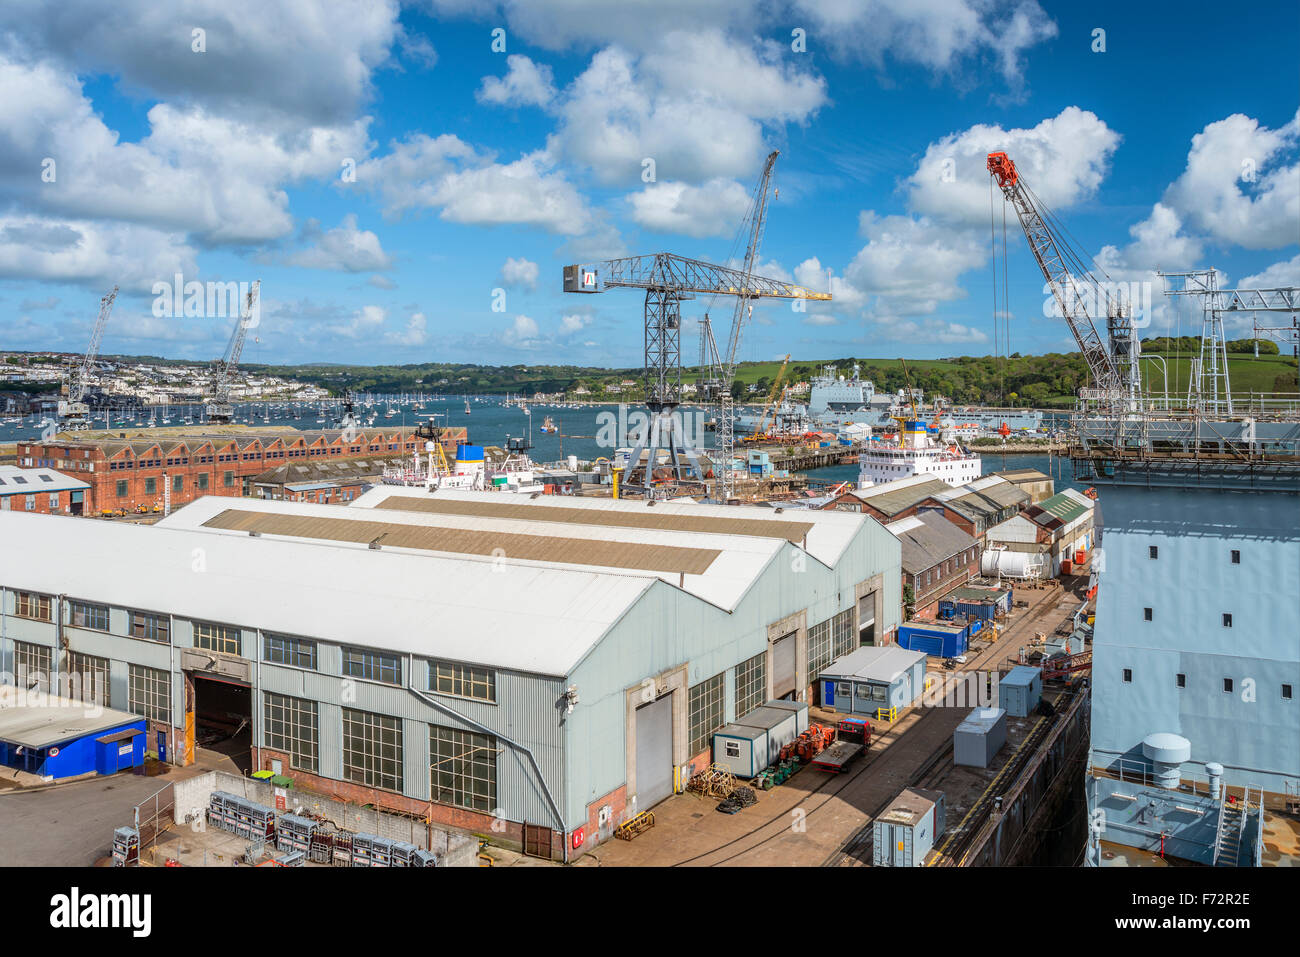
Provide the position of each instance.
(220, 408)
(667, 279)
(74, 411)
(1065, 285)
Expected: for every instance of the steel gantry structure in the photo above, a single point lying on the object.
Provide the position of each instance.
(668, 279)
(74, 411)
(1209, 387)
(220, 408)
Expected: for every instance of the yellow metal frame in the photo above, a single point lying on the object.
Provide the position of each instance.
(887, 714)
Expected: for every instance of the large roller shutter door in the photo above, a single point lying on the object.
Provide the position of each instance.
(654, 752)
(783, 666)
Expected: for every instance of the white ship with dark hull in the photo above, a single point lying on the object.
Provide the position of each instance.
(918, 453)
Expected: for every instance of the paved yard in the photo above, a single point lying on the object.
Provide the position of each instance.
(70, 825)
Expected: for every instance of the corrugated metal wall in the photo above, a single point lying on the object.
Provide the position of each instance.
(1253, 731)
(668, 628)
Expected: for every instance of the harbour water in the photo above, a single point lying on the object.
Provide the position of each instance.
(583, 430)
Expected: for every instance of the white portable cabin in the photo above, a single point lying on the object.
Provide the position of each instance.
(740, 749)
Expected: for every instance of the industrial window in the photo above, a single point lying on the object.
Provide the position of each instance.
(1153, 551)
(150, 486)
(87, 679)
(1236, 557)
(212, 637)
(178, 483)
(149, 693)
(291, 729)
(228, 479)
(1286, 692)
(121, 489)
(706, 710)
(733, 749)
(86, 615)
(372, 749)
(54, 501)
(842, 633)
(372, 665)
(283, 650)
(1181, 680)
(1146, 614)
(751, 684)
(1128, 675)
(1227, 685)
(463, 681)
(862, 691)
(29, 502)
(150, 627)
(202, 480)
(1227, 620)
(30, 605)
(32, 666)
(463, 768)
(821, 652)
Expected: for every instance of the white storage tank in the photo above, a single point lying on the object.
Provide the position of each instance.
(905, 833)
(979, 737)
(1002, 562)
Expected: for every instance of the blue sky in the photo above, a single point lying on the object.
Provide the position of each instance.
(479, 170)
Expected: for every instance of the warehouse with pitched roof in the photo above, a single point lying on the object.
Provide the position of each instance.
(545, 665)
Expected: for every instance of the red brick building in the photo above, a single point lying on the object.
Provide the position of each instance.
(123, 473)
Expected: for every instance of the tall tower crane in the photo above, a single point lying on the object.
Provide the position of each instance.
(1115, 368)
(756, 221)
(220, 408)
(74, 412)
(668, 279)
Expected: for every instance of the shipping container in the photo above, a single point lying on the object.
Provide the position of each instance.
(780, 726)
(1019, 690)
(906, 832)
(799, 708)
(980, 737)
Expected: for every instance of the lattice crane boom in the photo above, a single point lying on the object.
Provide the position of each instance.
(1064, 284)
(757, 223)
(74, 408)
(220, 408)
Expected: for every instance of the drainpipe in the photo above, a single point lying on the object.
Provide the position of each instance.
(171, 689)
(555, 809)
(257, 694)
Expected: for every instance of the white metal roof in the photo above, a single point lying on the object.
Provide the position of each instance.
(511, 615)
(831, 532)
(739, 564)
(884, 663)
(36, 480)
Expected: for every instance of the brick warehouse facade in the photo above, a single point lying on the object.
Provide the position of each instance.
(128, 473)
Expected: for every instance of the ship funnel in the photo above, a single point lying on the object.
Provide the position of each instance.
(1166, 752)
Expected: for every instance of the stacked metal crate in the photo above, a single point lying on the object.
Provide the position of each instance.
(424, 859)
(126, 847)
(294, 833)
(371, 850)
(241, 817)
(403, 854)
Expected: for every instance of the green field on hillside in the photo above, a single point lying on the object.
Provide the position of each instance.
(1040, 381)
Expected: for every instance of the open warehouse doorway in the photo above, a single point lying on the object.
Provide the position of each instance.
(221, 714)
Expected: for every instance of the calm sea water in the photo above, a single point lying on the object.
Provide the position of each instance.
(490, 422)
